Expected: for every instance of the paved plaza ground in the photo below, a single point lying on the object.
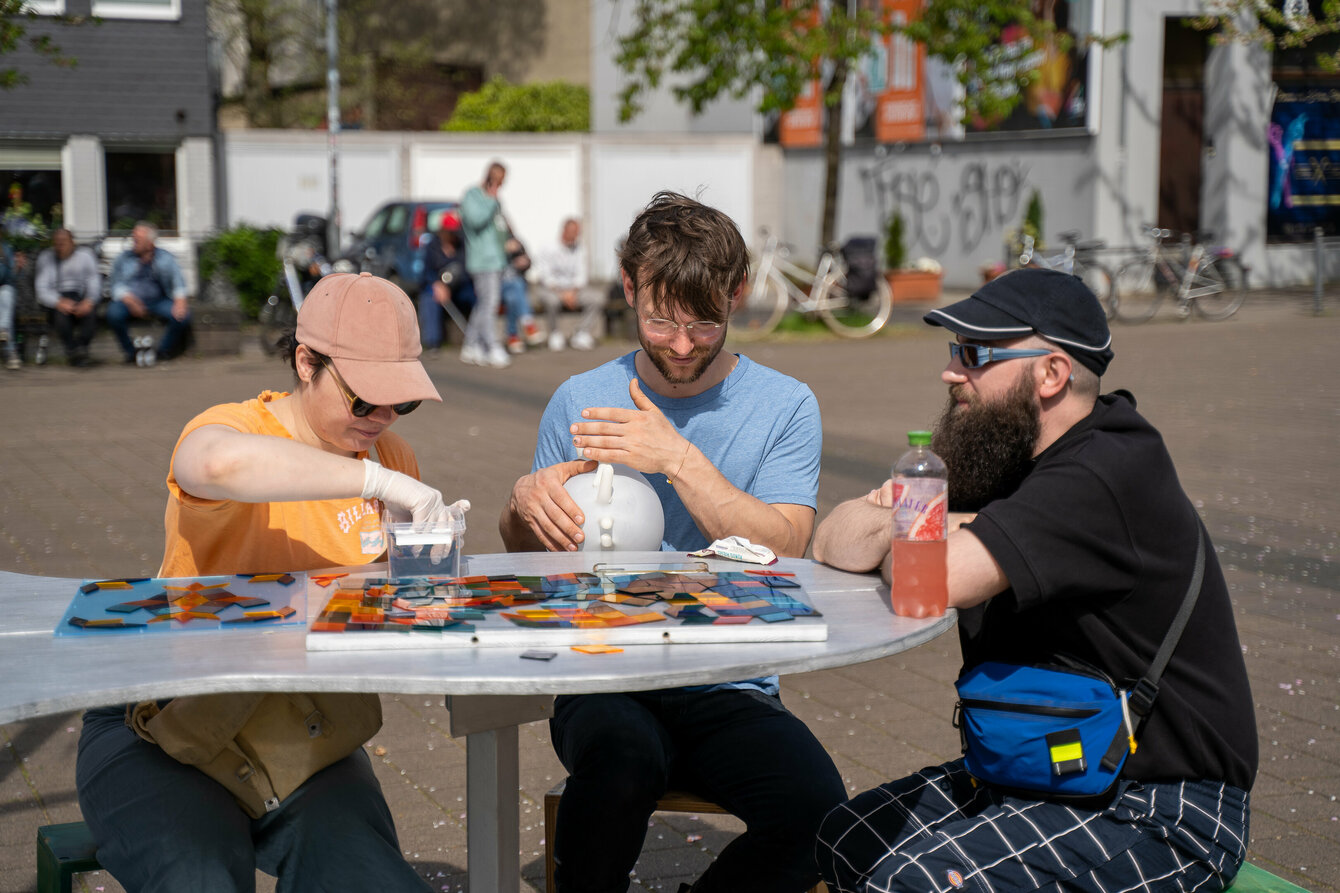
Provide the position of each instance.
(1247, 406)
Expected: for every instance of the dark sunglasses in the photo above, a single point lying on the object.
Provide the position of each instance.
(360, 408)
(973, 356)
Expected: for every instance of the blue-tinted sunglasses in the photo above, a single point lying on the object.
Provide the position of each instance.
(973, 356)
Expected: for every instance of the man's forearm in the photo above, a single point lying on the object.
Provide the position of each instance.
(721, 509)
(516, 534)
(854, 536)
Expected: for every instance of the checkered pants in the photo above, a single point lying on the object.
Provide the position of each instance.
(936, 831)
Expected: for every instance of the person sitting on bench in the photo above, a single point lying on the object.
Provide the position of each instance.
(146, 283)
(70, 287)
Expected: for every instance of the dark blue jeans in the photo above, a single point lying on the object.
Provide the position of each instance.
(118, 320)
(164, 827)
(739, 748)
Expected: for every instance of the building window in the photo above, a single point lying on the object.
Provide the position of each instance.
(46, 7)
(141, 186)
(138, 9)
(31, 206)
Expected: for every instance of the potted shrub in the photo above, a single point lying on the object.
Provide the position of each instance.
(917, 282)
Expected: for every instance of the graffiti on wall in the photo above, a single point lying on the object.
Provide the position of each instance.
(987, 197)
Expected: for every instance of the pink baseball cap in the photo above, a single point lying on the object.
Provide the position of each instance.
(368, 329)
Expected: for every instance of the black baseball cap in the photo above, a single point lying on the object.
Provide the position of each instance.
(1052, 304)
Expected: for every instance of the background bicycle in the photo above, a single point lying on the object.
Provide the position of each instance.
(1078, 258)
(1208, 280)
(778, 285)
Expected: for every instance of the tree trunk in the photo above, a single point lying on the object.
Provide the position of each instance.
(256, 98)
(832, 150)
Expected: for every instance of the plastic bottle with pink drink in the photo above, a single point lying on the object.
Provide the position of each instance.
(920, 502)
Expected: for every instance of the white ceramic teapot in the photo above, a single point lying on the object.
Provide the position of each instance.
(621, 509)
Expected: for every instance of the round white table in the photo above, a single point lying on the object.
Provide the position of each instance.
(490, 691)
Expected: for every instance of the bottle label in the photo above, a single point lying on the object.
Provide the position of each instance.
(919, 506)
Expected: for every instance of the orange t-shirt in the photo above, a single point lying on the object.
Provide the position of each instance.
(212, 536)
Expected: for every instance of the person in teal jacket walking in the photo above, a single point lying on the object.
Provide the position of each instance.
(485, 229)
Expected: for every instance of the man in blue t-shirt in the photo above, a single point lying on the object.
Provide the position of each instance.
(731, 448)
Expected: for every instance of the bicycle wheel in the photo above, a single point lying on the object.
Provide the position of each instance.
(1219, 288)
(276, 318)
(855, 317)
(1099, 280)
(1139, 290)
(760, 311)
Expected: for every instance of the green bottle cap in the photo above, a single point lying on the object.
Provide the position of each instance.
(918, 438)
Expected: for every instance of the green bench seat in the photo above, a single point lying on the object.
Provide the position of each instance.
(1252, 879)
(62, 852)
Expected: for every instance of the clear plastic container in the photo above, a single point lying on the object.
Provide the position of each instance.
(420, 550)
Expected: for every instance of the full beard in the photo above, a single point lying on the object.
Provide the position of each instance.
(705, 354)
(987, 447)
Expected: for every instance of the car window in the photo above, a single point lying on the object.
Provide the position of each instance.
(397, 220)
(376, 224)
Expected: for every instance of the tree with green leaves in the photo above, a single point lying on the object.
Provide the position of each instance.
(708, 49)
(1279, 24)
(401, 65)
(16, 30)
(268, 41)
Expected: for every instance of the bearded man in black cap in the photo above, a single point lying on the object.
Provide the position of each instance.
(1082, 544)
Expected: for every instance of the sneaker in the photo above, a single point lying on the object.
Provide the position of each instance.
(12, 361)
(556, 341)
(472, 355)
(498, 358)
(515, 345)
(143, 348)
(534, 337)
(583, 341)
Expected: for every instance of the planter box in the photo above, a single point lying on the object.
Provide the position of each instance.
(915, 286)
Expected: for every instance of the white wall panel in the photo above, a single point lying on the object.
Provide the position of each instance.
(544, 185)
(626, 175)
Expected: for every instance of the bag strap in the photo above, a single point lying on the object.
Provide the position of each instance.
(1143, 694)
(1140, 698)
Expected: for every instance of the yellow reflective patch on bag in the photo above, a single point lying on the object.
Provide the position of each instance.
(1066, 751)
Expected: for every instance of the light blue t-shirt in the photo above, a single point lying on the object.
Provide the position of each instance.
(760, 428)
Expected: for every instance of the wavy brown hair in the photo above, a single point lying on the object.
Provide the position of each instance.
(686, 255)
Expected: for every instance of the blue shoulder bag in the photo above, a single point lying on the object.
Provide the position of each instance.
(1061, 731)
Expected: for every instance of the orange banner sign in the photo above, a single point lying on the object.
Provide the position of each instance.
(900, 106)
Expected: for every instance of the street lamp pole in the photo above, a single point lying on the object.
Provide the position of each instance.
(333, 126)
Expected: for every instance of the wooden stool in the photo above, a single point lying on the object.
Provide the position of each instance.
(62, 852)
(672, 801)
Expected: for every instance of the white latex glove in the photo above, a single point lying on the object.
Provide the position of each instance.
(424, 504)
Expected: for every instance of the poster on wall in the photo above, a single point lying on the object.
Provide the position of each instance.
(919, 96)
(1058, 97)
(1304, 162)
(897, 92)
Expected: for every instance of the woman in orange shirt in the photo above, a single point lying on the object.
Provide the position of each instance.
(283, 482)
